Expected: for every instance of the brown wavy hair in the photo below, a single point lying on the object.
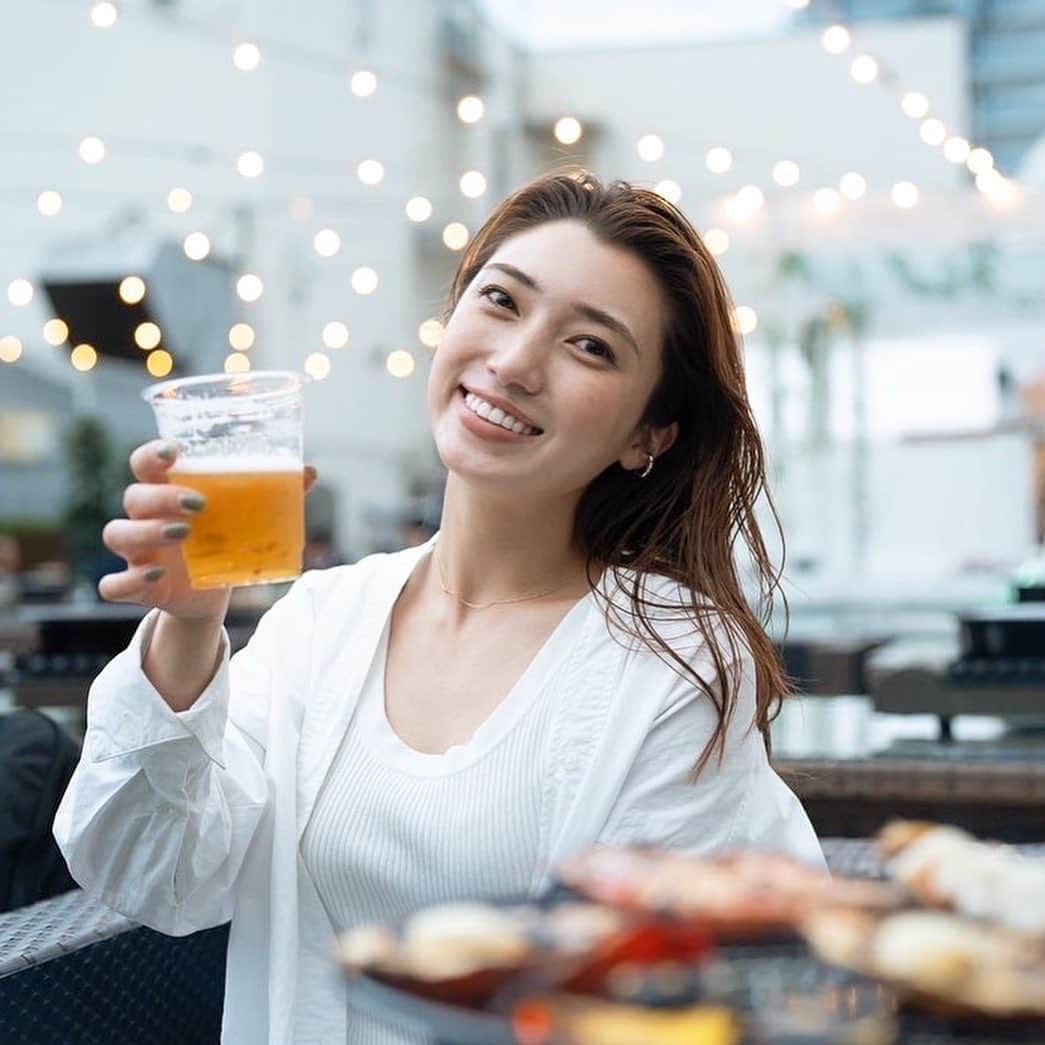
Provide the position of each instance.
(685, 520)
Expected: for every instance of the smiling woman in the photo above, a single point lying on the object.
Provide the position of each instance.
(570, 660)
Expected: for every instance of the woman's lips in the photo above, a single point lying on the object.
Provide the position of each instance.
(486, 429)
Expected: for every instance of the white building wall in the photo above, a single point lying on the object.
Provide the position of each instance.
(161, 90)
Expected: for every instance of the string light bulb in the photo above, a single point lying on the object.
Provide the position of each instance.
(668, 189)
(864, 69)
(399, 363)
(745, 319)
(956, 149)
(131, 289)
(49, 203)
(10, 349)
(836, 39)
(19, 292)
(83, 357)
(56, 332)
(786, 173)
(717, 241)
(650, 148)
(568, 130)
(363, 83)
(196, 246)
(335, 334)
(470, 109)
(236, 363)
(250, 164)
(430, 332)
(979, 160)
(249, 287)
(418, 208)
(104, 14)
(364, 280)
(246, 57)
(905, 195)
(92, 150)
(718, 159)
(852, 185)
(914, 104)
(455, 235)
(179, 200)
(317, 365)
(370, 172)
(241, 337)
(147, 336)
(932, 131)
(327, 242)
(159, 363)
(472, 184)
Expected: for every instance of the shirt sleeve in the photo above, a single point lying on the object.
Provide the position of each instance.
(737, 801)
(163, 805)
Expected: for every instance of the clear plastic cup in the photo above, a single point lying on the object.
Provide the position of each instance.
(239, 442)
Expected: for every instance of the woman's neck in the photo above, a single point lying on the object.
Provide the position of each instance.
(492, 549)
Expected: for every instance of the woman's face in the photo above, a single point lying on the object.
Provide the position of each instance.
(561, 333)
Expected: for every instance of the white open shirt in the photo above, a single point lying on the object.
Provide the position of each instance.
(184, 821)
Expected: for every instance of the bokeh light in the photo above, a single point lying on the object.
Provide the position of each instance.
(83, 357)
(241, 336)
(400, 363)
(10, 349)
(335, 334)
(317, 365)
(49, 203)
(159, 363)
(470, 109)
(131, 289)
(147, 335)
(364, 280)
(56, 332)
(455, 235)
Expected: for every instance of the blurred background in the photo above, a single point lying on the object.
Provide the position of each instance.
(193, 186)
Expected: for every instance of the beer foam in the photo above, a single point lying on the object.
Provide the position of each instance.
(236, 464)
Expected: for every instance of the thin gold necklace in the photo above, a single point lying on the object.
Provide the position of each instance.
(495, 602)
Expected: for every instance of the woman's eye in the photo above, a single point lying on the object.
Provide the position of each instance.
(593, 347)
(497, 296)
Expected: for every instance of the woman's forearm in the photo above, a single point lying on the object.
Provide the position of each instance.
(182, 658)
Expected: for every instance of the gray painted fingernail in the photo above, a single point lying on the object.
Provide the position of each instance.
(176, 530)
(167, 451)
(192, 502)
(154, 573)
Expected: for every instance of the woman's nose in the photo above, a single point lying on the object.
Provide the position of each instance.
(520, 359)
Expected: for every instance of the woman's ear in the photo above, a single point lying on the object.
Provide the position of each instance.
(649, 440)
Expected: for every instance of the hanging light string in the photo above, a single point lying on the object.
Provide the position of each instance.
(866, 67)
(738, 207)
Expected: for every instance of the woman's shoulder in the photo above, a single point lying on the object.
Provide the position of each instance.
(685, 618)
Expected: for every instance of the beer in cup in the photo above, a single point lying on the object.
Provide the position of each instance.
(239, 442)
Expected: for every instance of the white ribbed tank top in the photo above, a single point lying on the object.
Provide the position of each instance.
(394, 829)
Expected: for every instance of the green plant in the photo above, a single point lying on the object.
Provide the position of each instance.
(94, 491)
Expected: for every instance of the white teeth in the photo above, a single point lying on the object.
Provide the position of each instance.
(495, 415)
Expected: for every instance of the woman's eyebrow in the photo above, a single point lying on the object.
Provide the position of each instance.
(596, 315)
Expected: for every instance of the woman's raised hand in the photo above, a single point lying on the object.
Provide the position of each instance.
(159, 517)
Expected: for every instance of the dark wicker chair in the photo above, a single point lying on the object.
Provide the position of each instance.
(72, 972)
